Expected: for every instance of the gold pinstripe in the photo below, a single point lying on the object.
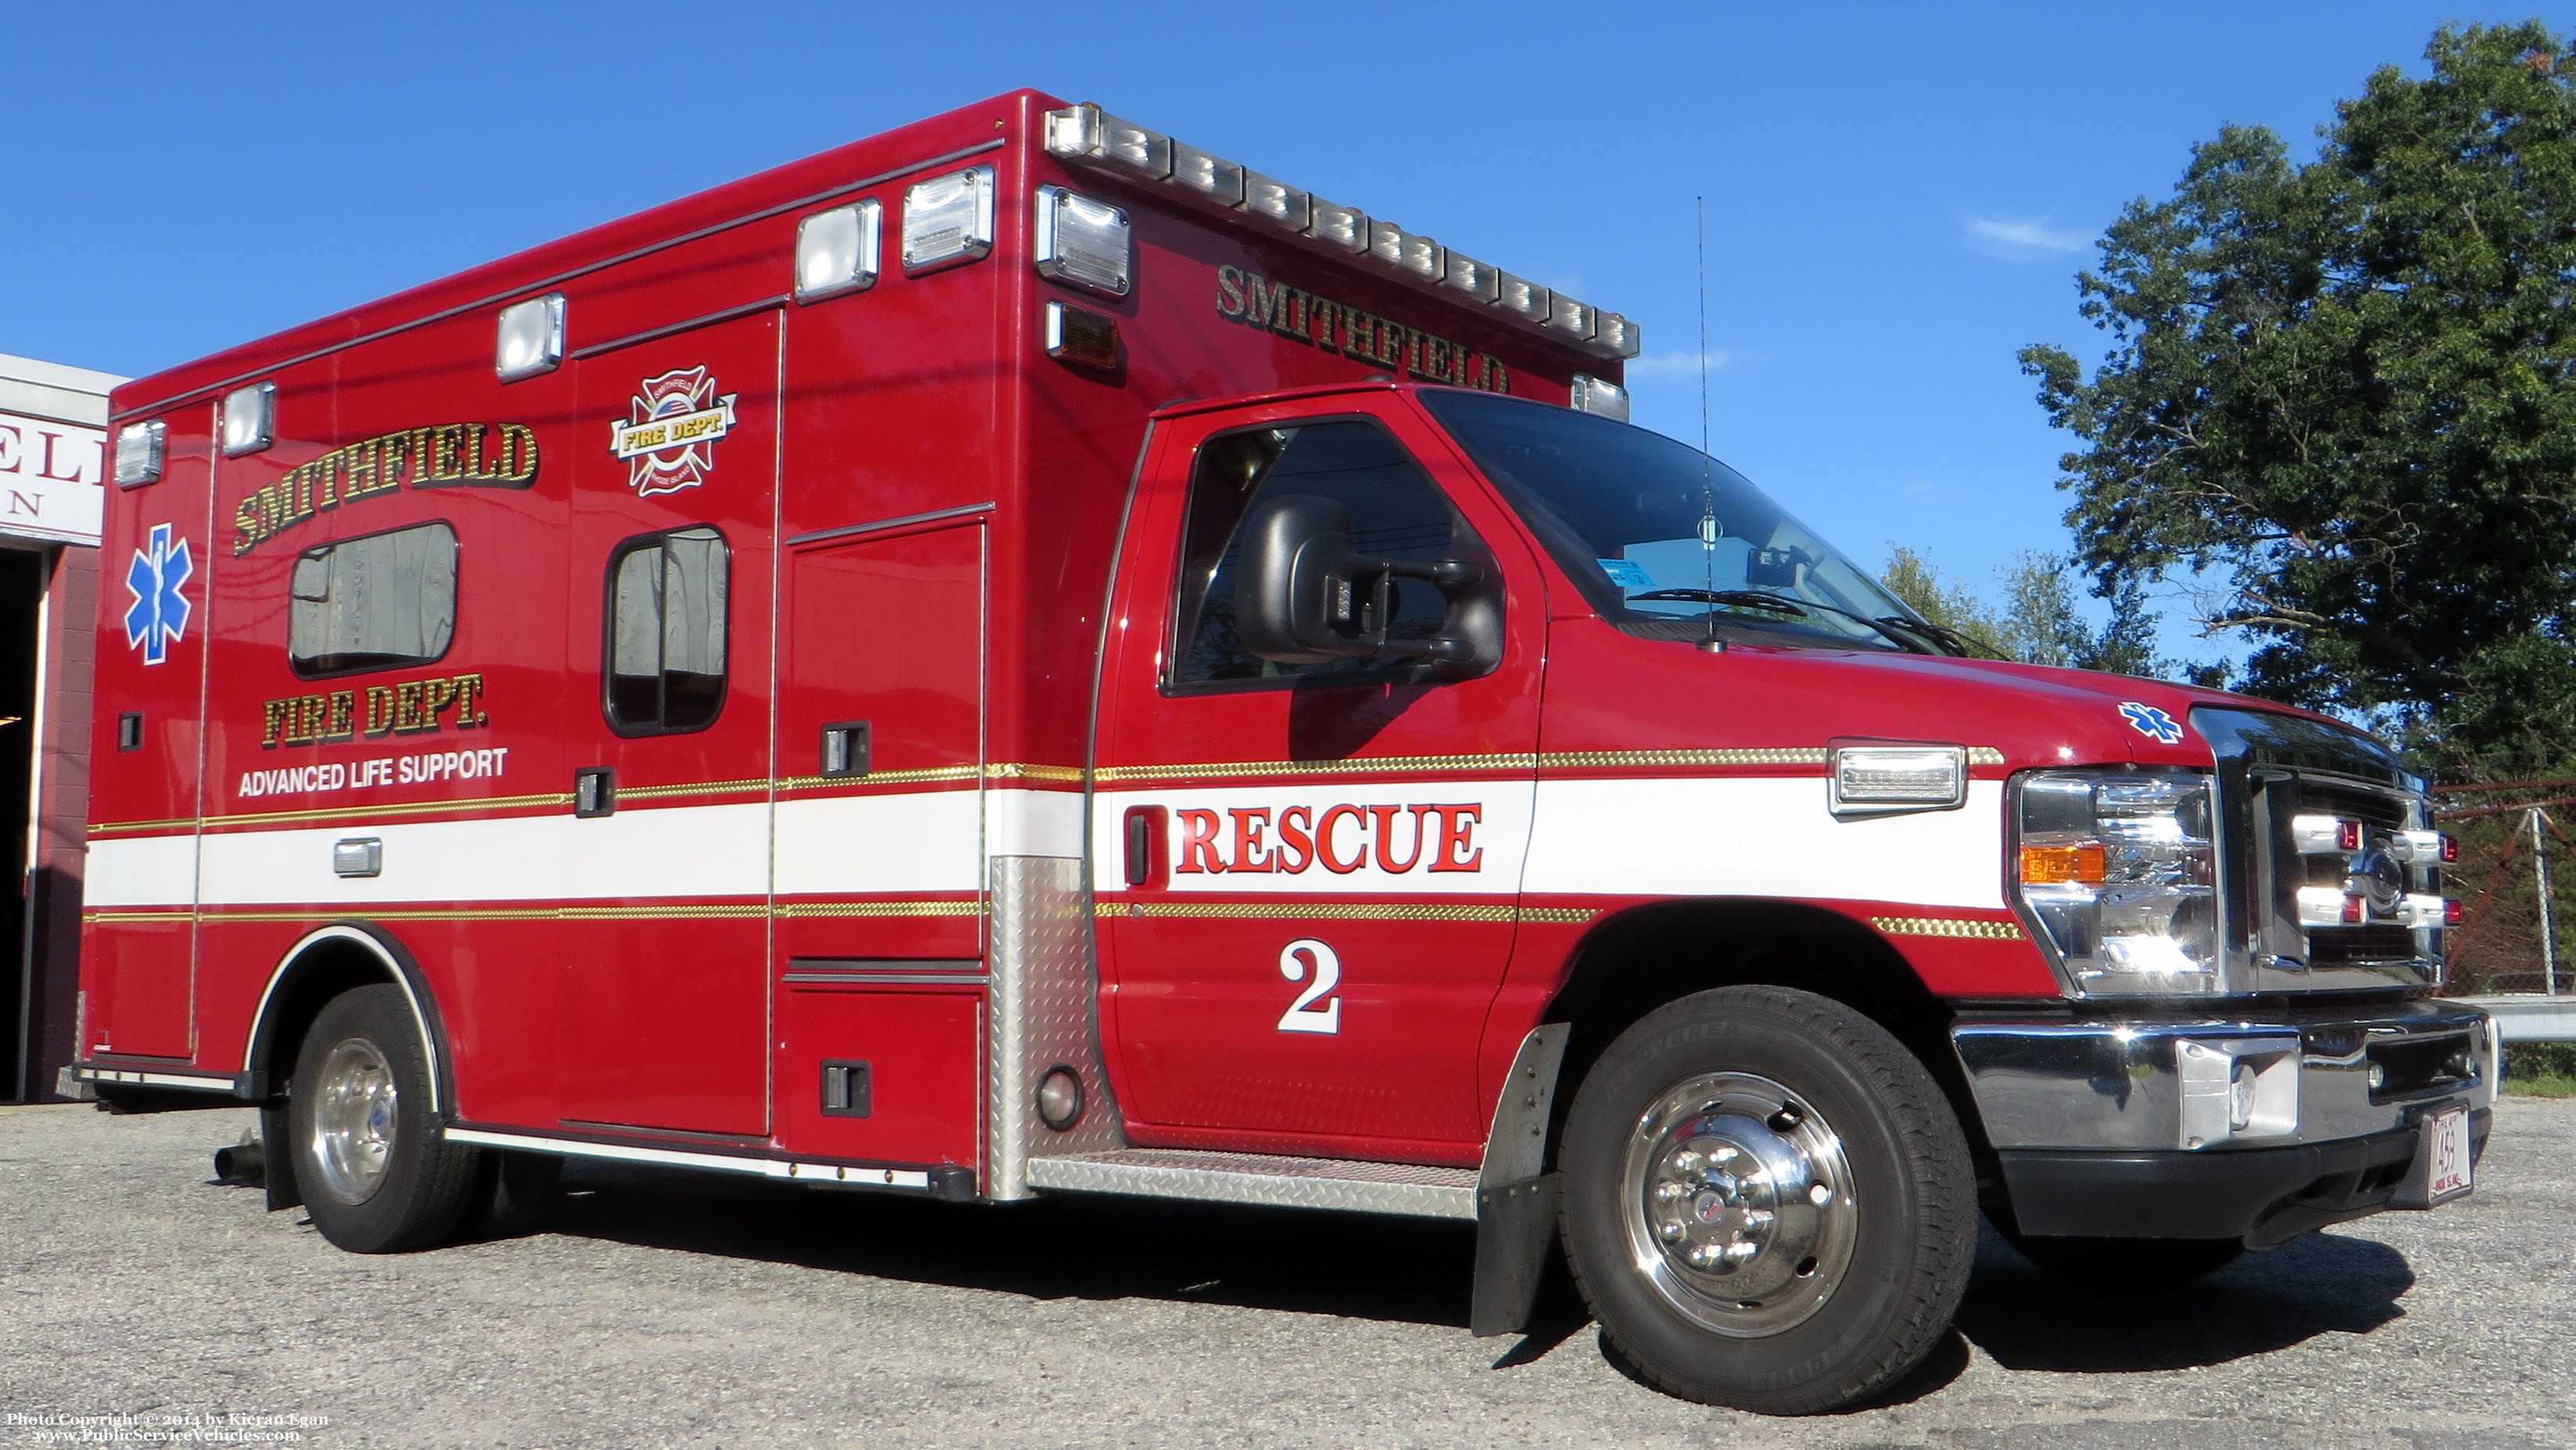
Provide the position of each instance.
(1338, 911)
(563, 799)
(1057, 774)
(717, 912)
(1947, 927)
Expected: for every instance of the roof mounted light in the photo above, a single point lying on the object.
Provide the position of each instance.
(1342, 226)
(140, 449)
(250, 419)
(1407, 251)
(1570, 317)
(530, 338)
(948, 219)
(1521, 298)
(1277, 200)
(1615, 336)
(1091, 136)
(1599, 398)
(1212, 176)
(1471, 276)
(836, 250)
(1087, 243)
(1088, 131)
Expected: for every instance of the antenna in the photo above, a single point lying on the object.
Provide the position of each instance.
(1707, 487)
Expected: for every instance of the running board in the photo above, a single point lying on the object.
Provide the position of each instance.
(1261, 1178)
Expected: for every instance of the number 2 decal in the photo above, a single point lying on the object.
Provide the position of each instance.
(1316, 1008)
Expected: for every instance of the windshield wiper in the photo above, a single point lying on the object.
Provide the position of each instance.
(1941, 634)
(1743, 598)
(1756, 599)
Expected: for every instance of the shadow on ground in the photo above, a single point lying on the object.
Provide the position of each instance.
(1417, 1271)
(1414, 1271)
(2317, 1284)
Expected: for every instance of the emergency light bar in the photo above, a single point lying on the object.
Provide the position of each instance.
(1091, 136)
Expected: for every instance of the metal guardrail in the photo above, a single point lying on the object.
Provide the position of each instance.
(2529, 1017)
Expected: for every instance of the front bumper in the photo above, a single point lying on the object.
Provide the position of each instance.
(2216, 1127)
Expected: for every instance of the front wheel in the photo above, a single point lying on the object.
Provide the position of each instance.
(1768, 1203)
(377, 1177)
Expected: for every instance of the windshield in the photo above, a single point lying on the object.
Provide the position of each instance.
(1665, 541)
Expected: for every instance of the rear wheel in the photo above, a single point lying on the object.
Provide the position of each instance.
(1768, 1203)
(377, 1177)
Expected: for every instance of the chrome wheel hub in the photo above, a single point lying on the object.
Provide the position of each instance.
(353, 1121)
(1739, 1208)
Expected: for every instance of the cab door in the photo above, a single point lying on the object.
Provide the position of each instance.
(665, 941)
(1309, 874)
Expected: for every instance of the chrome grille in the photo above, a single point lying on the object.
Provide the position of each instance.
(2272, 769)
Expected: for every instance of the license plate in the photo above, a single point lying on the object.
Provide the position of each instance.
(2446, 1156)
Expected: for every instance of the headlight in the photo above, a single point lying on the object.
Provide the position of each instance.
(2117, 868)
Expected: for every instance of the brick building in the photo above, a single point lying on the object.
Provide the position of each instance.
(52, 479)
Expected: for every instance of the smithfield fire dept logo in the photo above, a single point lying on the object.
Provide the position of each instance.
(672, 426)
(158, 617)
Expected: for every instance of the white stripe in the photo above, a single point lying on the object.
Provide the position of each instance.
(147, 871)
(1763, 836)
(1033, 823)
(922, 841)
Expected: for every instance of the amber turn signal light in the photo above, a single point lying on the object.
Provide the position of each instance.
(2056, 865)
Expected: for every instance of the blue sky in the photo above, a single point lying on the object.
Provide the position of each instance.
(1897, 195)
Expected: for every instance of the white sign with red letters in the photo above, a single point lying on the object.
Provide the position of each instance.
(52, 479)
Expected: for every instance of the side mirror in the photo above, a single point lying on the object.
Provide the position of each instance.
(1304, 595)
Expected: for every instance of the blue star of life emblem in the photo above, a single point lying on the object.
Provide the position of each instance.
(2151, 722)
(159, 616)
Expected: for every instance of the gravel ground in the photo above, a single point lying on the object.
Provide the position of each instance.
(688, 1310)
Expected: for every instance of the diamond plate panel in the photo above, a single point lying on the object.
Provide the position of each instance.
(1259, 1178)
(1041, 1011)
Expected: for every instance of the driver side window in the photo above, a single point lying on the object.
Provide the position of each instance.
(1396, 511)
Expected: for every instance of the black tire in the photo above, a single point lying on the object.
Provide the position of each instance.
(1882, 1263)
(2129, 1264)
(376, 1176)
(514, 1194)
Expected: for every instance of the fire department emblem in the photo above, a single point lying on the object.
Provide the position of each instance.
(672, 426)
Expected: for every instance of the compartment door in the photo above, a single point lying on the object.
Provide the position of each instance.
(880, 834)
(138, 949)
(665, 934)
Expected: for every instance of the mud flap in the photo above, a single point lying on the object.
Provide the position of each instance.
(1515, 1233)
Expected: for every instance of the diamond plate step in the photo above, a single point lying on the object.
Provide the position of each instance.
(1262, 1178)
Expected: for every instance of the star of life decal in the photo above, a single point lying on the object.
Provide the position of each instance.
(669, 435)
(158, 618)
(2151, 722)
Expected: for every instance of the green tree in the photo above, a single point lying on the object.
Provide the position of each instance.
(2037, 622)
(2348, 389)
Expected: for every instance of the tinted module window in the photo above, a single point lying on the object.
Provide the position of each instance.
(1396, 511)
(373, 603)
(666, 632)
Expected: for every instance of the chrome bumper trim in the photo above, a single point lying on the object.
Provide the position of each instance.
(2149, 1085)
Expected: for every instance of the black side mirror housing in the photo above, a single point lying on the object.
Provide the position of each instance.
(1306, 596)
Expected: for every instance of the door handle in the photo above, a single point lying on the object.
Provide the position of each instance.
(1145, 845)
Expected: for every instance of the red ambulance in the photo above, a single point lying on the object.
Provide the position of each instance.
(1021, 657)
